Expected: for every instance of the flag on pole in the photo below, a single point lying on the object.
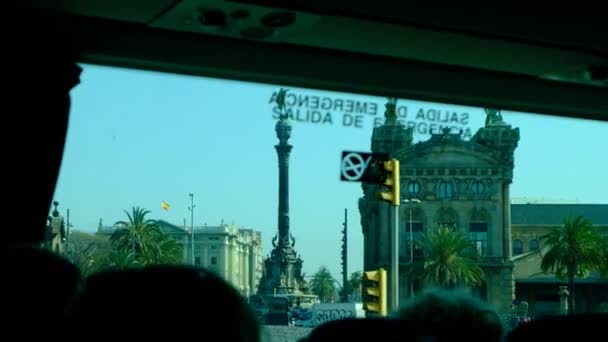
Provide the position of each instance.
(165, 206)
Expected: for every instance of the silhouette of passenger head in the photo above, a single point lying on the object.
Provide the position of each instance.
(375, 329)
(454, 315)
(179, 301)
(38, 288)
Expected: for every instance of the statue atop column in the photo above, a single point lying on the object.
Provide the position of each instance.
(283, 127)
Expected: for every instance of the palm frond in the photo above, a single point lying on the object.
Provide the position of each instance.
(450, 259)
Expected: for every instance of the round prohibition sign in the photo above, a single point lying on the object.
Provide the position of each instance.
(353, 166)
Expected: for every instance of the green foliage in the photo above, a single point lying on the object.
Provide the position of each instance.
(450, 259)
(322, 284)
(142, 240)
(87, 251)
(121, 259)
(136, 242)
(604, 269)
(355, 282)
(574, 249)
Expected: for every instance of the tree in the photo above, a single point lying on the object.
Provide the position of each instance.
(166, 250)
(604, 271)
(322, 284)
(121, 259)
(450, 259)
(87, 251)
(573, 251)
(355, 283)
(144, 240)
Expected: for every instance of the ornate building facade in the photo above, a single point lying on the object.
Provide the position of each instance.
(233, 253)
(447, 181)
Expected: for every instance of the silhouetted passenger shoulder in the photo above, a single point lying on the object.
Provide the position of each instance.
(173, 300)
(38, 287)
(562, 328)
(371, 329)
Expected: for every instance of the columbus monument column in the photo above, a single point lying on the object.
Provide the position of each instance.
(283, 129)
(283, 268)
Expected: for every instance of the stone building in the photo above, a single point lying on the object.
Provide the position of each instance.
(233, 253)
(529, 223)
(465, 185)
(462, 184)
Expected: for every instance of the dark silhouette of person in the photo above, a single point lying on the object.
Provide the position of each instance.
(561, 328)
(38, 288)
(40, 70)
(176, 301)
(450, 315)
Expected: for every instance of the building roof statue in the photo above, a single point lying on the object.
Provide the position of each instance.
(390, 114)
(493, 117)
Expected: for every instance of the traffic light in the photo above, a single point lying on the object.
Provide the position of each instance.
(375, 287)
(393, 195)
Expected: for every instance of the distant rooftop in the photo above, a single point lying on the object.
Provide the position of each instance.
(168, 227)
(553, 214)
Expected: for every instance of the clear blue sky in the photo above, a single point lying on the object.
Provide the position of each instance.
(138, 138)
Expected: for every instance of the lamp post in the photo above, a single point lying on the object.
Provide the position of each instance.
(411, 233)
(191, 208)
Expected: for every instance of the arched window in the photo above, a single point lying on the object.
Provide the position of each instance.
(445, 190)
(534, 245)
(477, 187)
(413, 187)
(518, 247)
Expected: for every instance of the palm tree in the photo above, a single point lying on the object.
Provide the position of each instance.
(604, 271)
(121, 259)
(573, 251)
(165, 250)
(355, 283)
(450, 259)
(87, 251)
(322, 284)
(144, 239)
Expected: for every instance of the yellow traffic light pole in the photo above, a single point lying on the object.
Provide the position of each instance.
(394, 198)
(378, 291)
